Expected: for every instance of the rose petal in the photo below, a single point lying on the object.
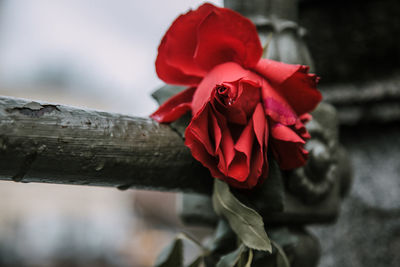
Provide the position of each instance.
(275, 72)
(259, 164)
(200, 143)
(293, 83)
(239, 169)
(306, 117)
(174, 107)
(266, 139)
(284, 133)
(247, 98)
(170, 74)
(258, 169)
(174, 63)
(199, 129)
(287, 147)
(216, 131)
(259, 123)
(276, 106)
(301, 92)
(210, 129)
(232, 112)
(258, 172)
(227, 144)
(300, 127)
(225, 35)
(224, 73)
(200, 154)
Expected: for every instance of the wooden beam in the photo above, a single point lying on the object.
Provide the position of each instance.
(49, 143)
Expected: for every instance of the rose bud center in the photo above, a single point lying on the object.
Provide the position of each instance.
(236, 100)
(224, 94)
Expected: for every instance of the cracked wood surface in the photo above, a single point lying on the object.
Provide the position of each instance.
(41, 142)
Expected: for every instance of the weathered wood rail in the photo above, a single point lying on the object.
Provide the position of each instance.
(58, 144)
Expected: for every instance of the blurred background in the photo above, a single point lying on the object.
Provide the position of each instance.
(100, 55)
(95, 54)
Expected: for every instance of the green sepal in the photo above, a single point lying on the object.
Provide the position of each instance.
(244, 221)
(167, 91)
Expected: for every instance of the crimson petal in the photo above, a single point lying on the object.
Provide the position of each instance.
(287, 147)
(276, 106)
(293, 82)
(174, 107)
(227, 72)
(174, 63)
(239, 169)
(199, 129)
(224, 36)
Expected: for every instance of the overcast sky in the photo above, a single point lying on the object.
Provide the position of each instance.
(102, 48)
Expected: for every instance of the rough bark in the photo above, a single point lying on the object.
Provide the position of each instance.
(59, 144)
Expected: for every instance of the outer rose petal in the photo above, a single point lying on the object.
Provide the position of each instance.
(174, 63)
(259, 124)
(210, 142)
(301, 128)
(259, 169)
(287, 147)
(275, 72)
(174, 107)
(199, 128)
(239, 169)
(172, 75)
(276, 106)
(227, 142)
(225, 35)
(292, 82)
(258, 163)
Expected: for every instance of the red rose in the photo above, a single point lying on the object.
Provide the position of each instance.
(240, 103)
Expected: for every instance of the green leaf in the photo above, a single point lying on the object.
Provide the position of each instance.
(196, 262)
(281, 258)
(244, 221)
(229, 260)
(172, 255)
(164, 93)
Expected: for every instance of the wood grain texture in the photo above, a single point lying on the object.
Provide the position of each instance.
(41, 142)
